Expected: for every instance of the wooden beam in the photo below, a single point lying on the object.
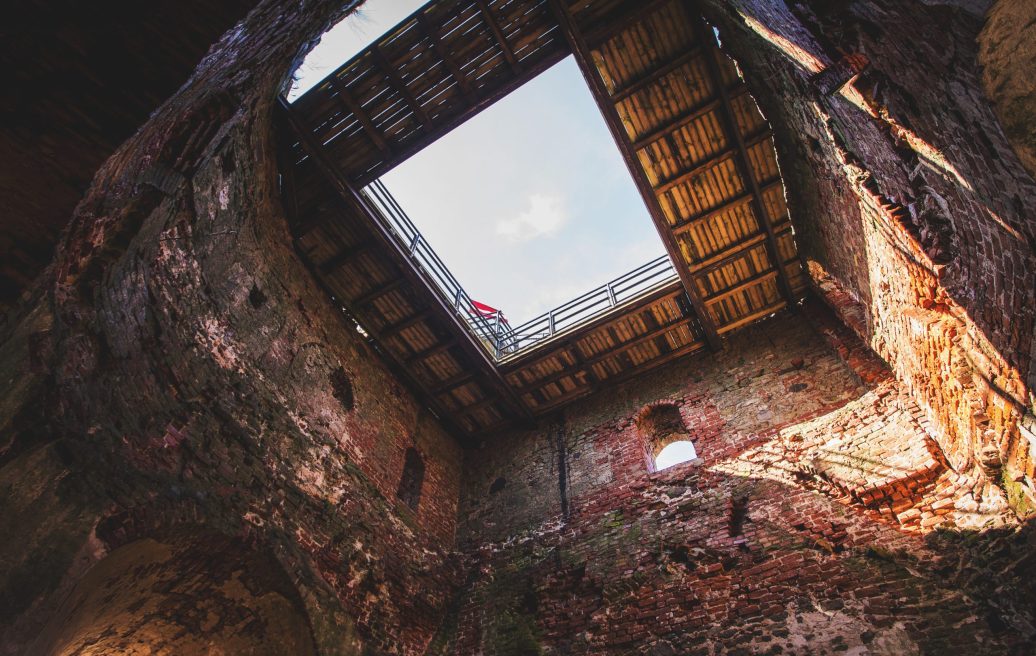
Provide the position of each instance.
(501, 40)
(674, 124)
(744, 164)
(393, 76)
(433, 35)
(452, 383)
(642, 368)
(379, 291)
(740, 199)
(770, 309)
(343, 256)
(655, 74)
(619, 348)
(394, 362)
(625, 21)
(728, 254)
(481, 100)
(435, 349)
(352, 197)
(353, 107)
(700, 167)
(741, 286)
(593, 78)
(394, 329)
(734, 251)
(478, 405)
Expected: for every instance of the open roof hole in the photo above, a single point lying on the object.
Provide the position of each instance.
(529, 204)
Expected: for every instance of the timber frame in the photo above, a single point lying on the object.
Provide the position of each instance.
(699, 150)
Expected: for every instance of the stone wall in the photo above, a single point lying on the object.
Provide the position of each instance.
(820, 516)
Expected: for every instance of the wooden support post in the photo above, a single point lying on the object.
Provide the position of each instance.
(744, 164)
(597, 87)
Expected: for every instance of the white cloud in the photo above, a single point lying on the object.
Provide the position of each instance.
(546, 214)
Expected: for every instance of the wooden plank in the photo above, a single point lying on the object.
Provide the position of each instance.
(770, 309)
(536, 354)
(706, 164)
(394, 329)
(629, 18)
(740, 199)
(740, 287)
(597, 87)
(498, 34)
(437, 45)
(727, 255)
(684, 118)
(436, 349)
(350, 105)
(706, 35)
(620, 347)
(379, 291)
(654, 75)
(453, 382)
(345, 255)
(397, 82)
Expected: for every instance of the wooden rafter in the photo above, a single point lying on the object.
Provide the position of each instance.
(379, 291)
(698, 168)
(401, 87)
(344, 255)
(654, 75)
(744, 164)
(498, 34)
(642, 10)
(447, 59)
(597, 87)
(741, 199)
(353, 107)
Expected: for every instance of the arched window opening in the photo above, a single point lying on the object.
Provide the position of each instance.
(666, 437)
(674, 453)
(413, 478)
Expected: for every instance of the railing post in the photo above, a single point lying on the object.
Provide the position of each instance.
(550, 323)
(611, 296)
(496, 336)
(413, 244)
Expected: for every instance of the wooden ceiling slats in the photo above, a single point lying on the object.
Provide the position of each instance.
(697, 146)
(592, 74)
(501, 40)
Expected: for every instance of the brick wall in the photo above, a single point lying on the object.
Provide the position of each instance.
(910, 205)
(800, 526)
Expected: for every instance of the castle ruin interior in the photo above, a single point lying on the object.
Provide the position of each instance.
(246, 409)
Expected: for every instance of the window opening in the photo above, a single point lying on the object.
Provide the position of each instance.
(413, 478)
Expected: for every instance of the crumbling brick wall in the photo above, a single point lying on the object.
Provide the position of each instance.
(801, 527)
(178, 371)
(911, 209)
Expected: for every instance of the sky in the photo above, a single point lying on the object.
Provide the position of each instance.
(529, 203)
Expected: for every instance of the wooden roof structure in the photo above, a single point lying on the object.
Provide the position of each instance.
(693, 139)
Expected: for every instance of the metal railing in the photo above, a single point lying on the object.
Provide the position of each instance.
(491, 329)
